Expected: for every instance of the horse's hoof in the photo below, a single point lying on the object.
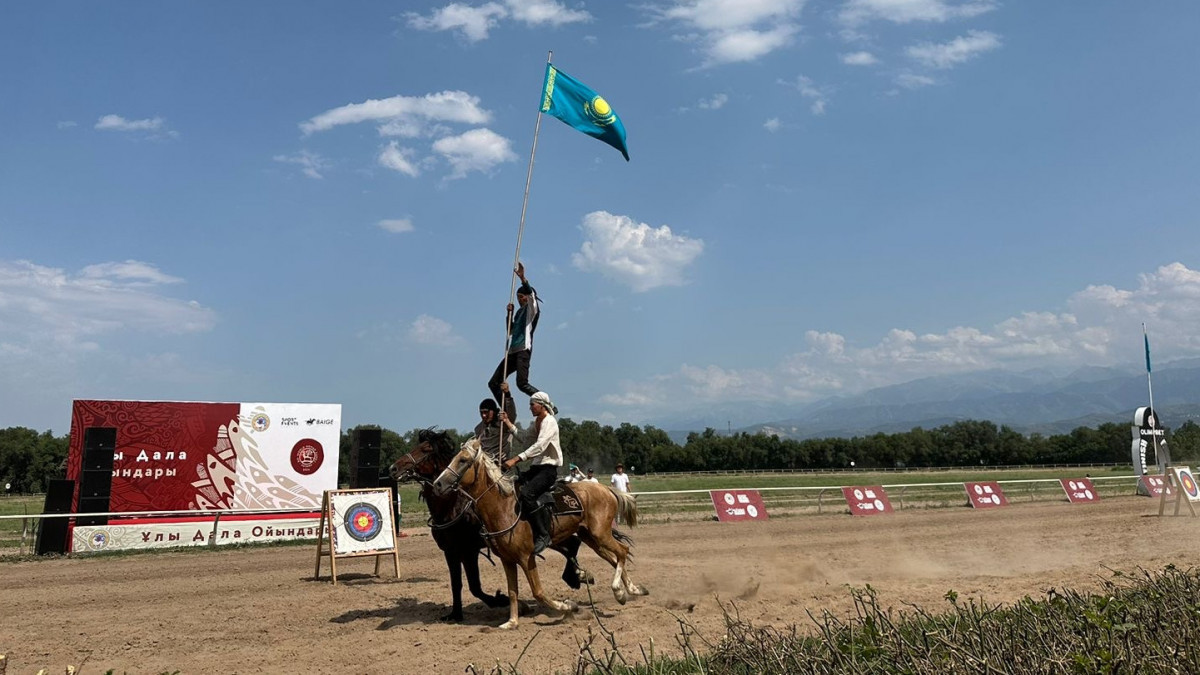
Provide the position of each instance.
(586, 577)
(497, 600)
(570, 606)
(507, 625)
(620, 595)
(452, 617)
(638, 590)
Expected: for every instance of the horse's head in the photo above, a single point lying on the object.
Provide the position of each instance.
(463, 469)
(426, 459)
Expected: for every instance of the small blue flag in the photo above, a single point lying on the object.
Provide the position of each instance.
(576, 104)
(1147, 339)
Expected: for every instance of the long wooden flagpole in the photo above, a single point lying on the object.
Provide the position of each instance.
(512, 287)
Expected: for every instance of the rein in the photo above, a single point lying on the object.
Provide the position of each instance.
(474, 501)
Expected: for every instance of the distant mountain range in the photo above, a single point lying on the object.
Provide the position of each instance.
(1040, 401)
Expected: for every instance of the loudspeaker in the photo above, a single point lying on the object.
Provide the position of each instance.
(95, 480)
(364, 458)
(52, 532)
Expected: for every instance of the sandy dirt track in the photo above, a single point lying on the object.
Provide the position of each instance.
(258, 610)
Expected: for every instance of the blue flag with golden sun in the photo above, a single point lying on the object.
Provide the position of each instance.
(576, 104)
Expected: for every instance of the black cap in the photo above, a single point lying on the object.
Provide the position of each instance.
(489, 404)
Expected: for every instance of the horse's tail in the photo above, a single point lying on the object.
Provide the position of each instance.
(627, 511)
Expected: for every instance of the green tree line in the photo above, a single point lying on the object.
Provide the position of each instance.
(29, 459)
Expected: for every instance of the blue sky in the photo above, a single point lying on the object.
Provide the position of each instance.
(319, 202)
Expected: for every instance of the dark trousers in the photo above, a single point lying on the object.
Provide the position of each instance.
(536, 481)
(519, 362)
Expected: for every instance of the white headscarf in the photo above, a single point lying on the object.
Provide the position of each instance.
(544, 399)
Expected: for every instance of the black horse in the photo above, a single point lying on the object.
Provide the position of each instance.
(455, 527)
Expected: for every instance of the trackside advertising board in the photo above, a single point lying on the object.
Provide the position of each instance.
(1079, 490)
(738, 505)
(985, 495)
(194, 456)
(867, 500)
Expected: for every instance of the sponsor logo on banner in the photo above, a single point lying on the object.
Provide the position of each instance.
(1079, 490)
(1153, 486)
(986, 495)
(738, 505)
(260, 422)
(867, 500)
(307, 456)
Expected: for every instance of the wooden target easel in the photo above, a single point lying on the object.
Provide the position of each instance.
(370, 532)
(1183, 484)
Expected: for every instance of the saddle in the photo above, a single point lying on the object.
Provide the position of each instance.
(566, 502)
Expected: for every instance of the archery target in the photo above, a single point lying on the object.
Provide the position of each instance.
(362, 521)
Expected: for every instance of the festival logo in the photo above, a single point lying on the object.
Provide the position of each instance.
(307, 456)
(363, 522)
(260, 422)
(98, 541)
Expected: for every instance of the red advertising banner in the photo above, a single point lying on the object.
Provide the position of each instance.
(867, 500)
(738, 505)
(1153, 486)
(985, 495)
(176, 456)
(1079, 490)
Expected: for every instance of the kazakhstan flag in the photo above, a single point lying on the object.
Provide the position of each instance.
(576, 104)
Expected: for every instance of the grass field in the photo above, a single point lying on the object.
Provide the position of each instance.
(10, 530)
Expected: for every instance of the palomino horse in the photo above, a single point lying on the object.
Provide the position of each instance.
(494, 496)
(454, 528)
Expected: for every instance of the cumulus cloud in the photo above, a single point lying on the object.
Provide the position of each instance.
(732, 31)
(959, 50)
(474, 23)
(634, 253)
(311, 164)
(1100, 326)
(856, 12)
(859, 59)
(431, 331)
(428, 116)
(396, 225)
(909, 80)
(475, 150)
(154, 127)
(772, 125)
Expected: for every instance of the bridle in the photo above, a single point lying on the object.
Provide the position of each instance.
(474, 501)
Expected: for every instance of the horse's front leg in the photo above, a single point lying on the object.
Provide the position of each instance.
(470, 562)
(455, 566)
(510, 573)
(535, 587)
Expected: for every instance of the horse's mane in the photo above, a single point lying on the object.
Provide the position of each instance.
(443, 447)
(503, 483)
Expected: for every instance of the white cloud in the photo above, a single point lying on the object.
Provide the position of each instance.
(396, 158)
(772, 125)
(856, 12)
(310, 163)
(717, 102)
(414, 111)
(859, 59)
(43, 308)
(476, 22)
(810, 91)
(475, 150)
(959, 50)
(155, 127)
(634, 253)
(433, 332)
(396, 225)
(733, 31)
(1101, 326)
(67, 124)
(914, 81)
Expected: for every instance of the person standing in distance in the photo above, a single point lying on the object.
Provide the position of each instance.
(620, 479)
(520, 344)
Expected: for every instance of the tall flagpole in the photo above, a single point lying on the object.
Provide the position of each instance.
(512, 287)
